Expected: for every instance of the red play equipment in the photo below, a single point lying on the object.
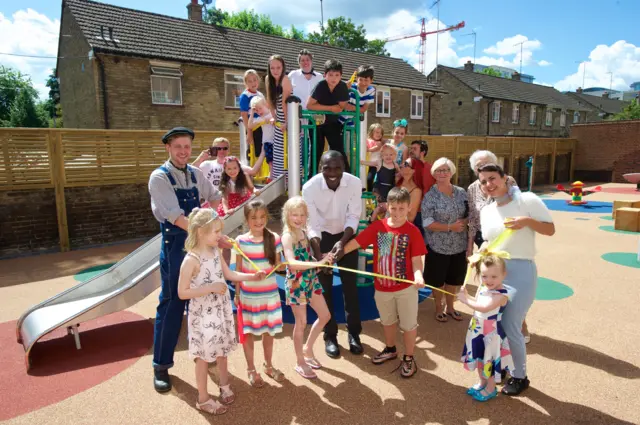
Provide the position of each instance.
(577, 192)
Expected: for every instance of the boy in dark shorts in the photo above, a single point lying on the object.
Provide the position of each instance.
(398, 251)
(330, 94)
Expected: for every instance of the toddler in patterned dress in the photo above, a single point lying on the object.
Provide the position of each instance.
(486, 347)
(302, 285)
(210, 321)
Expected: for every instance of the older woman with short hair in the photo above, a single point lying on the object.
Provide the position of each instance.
(478, 199)
(444, 217)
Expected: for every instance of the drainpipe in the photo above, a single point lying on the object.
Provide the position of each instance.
(103, 88)
(429, 115)
(489, 114)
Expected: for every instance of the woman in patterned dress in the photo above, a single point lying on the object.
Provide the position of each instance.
(258, 302)
(278, 90)
(202, 281)
(302, 285)
(486, 345)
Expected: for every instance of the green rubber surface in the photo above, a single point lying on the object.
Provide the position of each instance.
(550, 290)
(612, 229)
(628, 259)
(606, 217)
(87, 274)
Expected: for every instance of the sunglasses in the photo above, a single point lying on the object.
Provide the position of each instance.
(214, 149)
(406, 164)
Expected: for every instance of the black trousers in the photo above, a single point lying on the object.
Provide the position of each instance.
(333, 133)
(349, 289)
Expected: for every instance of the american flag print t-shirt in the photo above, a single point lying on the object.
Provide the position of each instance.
(393, 251)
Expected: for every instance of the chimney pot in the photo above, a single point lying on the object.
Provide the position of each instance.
(515, 76)
(605, 95)
(579, 90)
(195, 11)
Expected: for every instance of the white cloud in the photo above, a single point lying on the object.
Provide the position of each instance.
(622, 59)
(511, 46)
(28, 32)
(544, 63)
(464, 47)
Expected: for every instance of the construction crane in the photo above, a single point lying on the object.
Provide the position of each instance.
(423, 39)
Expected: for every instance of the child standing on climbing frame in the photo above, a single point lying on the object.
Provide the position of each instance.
(266, 123)
(386, 169)
(212, 334)
(398, 252)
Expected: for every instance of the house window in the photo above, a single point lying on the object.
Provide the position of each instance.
(166, 86)
(383, 102)
(233, 88)
(495, 112)
(563, 119)
(548, 118)
(417, 102)
(533, 115)
(515, 113)
(576, 117)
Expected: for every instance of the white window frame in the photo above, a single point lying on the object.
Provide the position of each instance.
(419, 101)
(165, 72)
(385, 92)
(496, 106)
(241, 83)
(533, 115)
(576, 117)
(563, 118)
(548, 117)
(515, 114)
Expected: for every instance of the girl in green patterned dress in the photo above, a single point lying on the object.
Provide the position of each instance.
(302, 286)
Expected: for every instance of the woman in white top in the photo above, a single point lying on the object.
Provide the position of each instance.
(527, 215)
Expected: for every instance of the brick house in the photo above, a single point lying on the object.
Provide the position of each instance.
(601, 107)
(483, 105)
(127, 69)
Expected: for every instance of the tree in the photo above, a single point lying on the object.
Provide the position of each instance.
(630, 112)
(24, 112)
(12, 83)
(492, 72)
(295, 34)
(50, 109)
(247, 20)
(341, 32)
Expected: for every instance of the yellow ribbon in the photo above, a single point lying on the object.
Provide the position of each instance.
(489, 250)
(236, 247)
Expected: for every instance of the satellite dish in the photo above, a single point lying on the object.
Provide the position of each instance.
(207, 1)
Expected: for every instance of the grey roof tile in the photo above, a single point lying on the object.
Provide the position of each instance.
(609, 106)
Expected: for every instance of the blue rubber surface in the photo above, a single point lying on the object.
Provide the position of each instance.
(590, 207)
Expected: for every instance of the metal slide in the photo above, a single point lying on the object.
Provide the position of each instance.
(121, 286)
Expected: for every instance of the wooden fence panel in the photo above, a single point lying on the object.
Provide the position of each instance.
(24, 160)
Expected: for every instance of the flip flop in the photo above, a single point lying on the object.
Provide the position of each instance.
(312, 362)
(441, 317)
(301, 372)
(455, 315)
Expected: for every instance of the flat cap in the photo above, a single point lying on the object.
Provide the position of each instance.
(178, 131)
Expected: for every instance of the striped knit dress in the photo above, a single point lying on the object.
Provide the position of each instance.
(259, 309)
(278, 167)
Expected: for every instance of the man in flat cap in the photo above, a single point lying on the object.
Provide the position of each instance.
(176, 189)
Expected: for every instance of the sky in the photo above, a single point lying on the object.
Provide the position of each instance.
(564, 41)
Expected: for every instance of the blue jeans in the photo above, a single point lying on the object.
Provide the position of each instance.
(522, 275)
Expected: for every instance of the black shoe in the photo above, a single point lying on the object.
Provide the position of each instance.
(331, 348)
(354, 344)
(161, 381)
(515, 386)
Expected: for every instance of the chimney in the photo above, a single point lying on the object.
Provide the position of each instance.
(605, 95)
(515, 76)
(468, 66)
(579, 90)
(195, 11)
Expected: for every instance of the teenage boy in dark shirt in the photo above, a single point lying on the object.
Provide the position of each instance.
(330, 94)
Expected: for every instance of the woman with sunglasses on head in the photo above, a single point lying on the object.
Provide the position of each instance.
(445, 212)
(211, 161)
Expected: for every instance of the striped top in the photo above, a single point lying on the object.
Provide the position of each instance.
(368, 96)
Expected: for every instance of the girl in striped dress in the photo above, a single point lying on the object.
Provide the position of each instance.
(259, 311)
(278, 90)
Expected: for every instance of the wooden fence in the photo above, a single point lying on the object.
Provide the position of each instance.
(65, 158)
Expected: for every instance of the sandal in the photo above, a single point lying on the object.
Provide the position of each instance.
(441, 317)
(475, 388)
(211, 406)
(273, 373)
(455, 315)
(255, 380)
(408, 367)
(302, 373)
(312, 362)
(483, 395)
(226, 395)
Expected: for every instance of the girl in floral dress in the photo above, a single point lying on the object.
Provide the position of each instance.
(210, 320)
(235, 185)
(302, 286)
(259, 311)
(486, 347)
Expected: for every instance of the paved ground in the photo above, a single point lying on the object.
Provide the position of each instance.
(583, 360)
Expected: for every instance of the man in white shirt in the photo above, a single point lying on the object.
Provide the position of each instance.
(334, 199)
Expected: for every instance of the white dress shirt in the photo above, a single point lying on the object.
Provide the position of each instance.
(302, 87)
(333, 211)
